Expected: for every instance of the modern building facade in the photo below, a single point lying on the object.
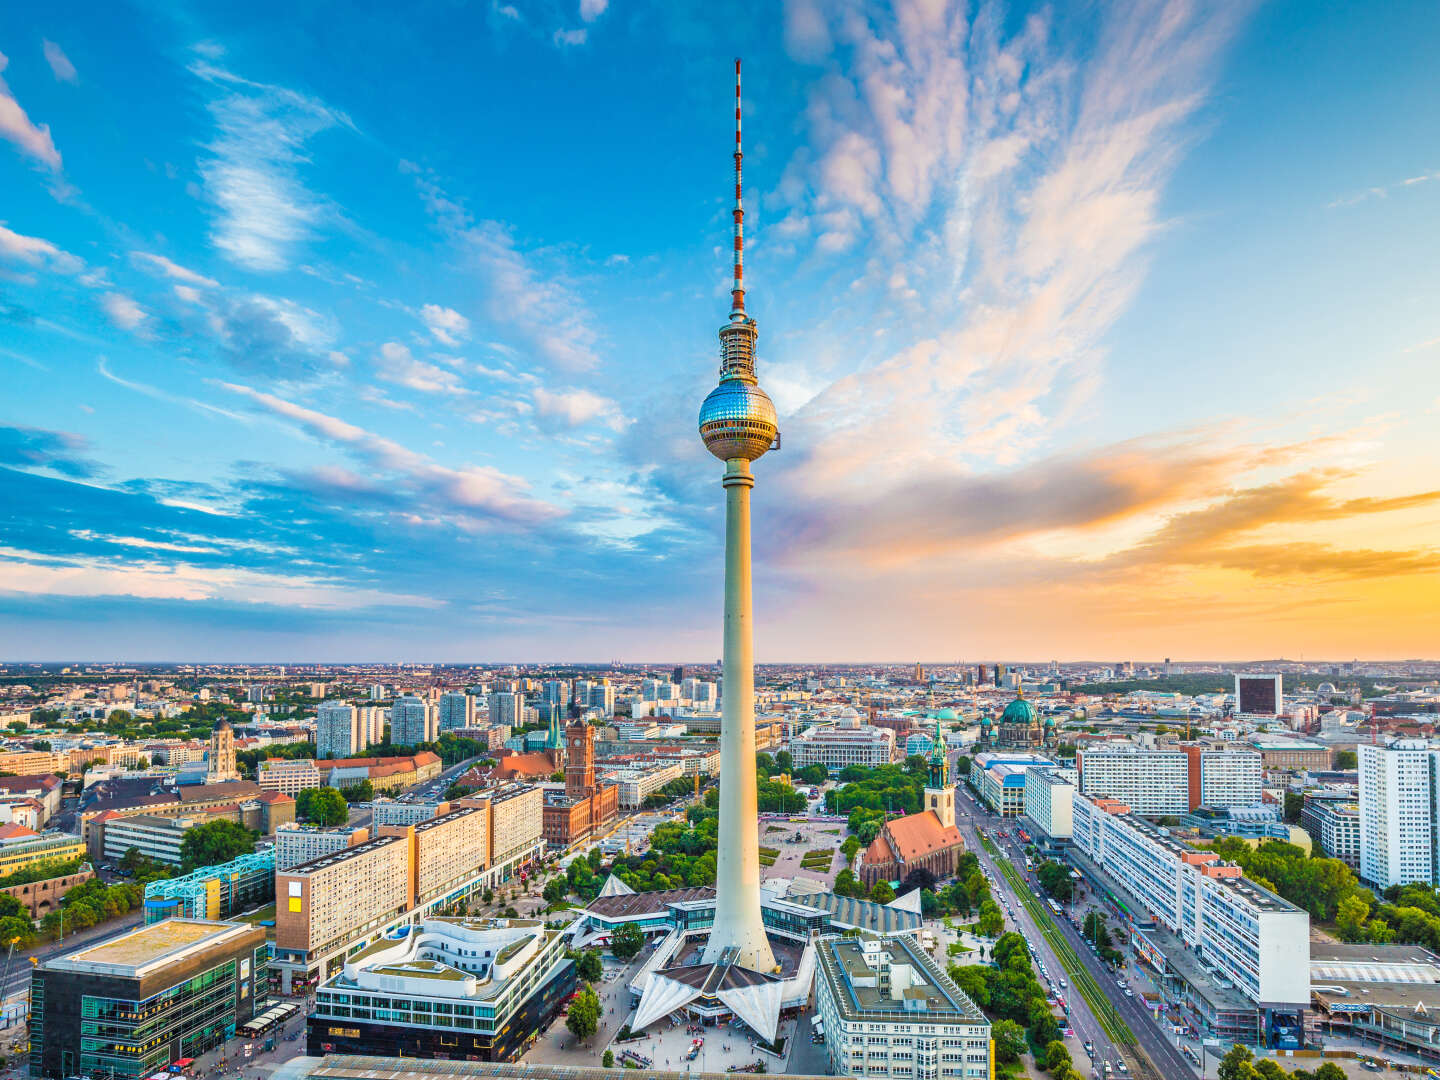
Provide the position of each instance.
(841, 746)
(1259, 695)
(456, 709)
(471, 989)
(1399, 842)
(214, 892)
(1334, 826)
(1050, 800)
(998, 778)
(1256, 941)
(888, 1011)
(1168, 782)
(129, 1006)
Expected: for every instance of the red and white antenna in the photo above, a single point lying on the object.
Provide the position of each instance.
(737, 290)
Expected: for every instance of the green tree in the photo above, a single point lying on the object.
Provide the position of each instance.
(1009, 1040)
(1237, 1064)
(1056, 1054)
(1350, 918)
(882, 893)
(213, 843)
(1329, 1071)
(584, 1017)
(1055, 879)
(1294, 803)
(363, 791)
(1347, 759)
(607, 1059)
(990, 921)
(323, 806)
(784, 762)
(626, 941)
(589, 966)
(962, 765)
(555, 890)
(1270, 1069)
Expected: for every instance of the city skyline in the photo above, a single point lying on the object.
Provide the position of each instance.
(1094, 333)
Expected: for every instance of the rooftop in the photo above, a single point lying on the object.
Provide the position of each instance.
(135, 952)
(842, 963)
(348, 1067)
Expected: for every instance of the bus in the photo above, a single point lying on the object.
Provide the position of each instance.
(1053, 905)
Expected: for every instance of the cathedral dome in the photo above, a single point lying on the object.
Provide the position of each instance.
(946, 714)
(1019, 711)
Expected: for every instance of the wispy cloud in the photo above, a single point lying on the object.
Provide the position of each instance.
(123, 311)
(576, 407)
(445, 324)
(576, 36)
(1381, 191)
(252, 173)
(396, 364)
(485, 493)
(15, 125)
(161, 265)
(541, 310)
(590, 10)
(59, 63)
(34, 251)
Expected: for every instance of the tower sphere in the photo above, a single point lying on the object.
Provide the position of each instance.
(737, 420)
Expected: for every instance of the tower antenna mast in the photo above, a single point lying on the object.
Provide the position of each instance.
(737, 288)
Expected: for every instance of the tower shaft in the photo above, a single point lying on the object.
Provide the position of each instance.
(738, 922)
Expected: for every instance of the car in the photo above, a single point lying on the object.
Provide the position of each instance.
(1063, 984)
(1129, 993)
(1089, 1049)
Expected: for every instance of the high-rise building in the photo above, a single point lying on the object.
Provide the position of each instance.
(412, 722)
(701, 694)
(1259, 694)
(1398, 834)
(678, 676)
(338, 731)
(507, 707)
(658, 690)
(556, 691)
(456, 710)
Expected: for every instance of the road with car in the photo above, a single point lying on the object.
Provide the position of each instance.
(1166, 1059)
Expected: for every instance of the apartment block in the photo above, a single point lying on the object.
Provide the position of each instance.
(328, 904)
(296, 843)
(1253, 939)
(1398, 834)
(1150, 782)
(339, 731)
(1334, 826)
(638, 784)
(288, 775)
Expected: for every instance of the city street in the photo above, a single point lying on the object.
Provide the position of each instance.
(1159, 1046)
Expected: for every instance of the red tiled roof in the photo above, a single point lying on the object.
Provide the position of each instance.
(917, 835)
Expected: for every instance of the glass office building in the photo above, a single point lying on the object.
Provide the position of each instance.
(130, 1006)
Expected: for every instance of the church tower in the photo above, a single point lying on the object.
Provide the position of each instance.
(939, 795)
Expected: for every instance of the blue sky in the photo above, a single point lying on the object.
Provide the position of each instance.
(1094, 331)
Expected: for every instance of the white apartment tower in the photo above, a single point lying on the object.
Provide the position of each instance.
(412, 722)
(338, 732)
(1397, 813)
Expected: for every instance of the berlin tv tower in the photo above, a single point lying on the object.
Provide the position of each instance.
(738, 424)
